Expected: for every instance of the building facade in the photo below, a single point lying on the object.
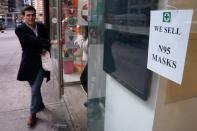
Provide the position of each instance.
(3, 6)
(39, 6)
(112, 106)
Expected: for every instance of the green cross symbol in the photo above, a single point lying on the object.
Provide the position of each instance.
(166, 17)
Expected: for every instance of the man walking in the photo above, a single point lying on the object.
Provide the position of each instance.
(34, 41)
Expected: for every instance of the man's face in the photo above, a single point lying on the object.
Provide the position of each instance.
(30, 17)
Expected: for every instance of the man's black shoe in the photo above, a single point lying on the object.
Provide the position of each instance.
(32, 120)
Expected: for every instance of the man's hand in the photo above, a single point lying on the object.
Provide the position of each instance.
(53, 42)
(43, 52)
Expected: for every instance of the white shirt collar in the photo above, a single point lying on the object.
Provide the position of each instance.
(34, 30)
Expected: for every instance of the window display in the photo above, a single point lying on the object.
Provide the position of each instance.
(72, 28)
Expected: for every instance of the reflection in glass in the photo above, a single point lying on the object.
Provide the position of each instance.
(129, 12)
(126, 42)
(125, 59)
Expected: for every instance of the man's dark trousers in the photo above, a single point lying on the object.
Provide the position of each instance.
(84, 78)
(36, 97)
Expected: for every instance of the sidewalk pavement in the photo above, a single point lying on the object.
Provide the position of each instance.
(15, 95)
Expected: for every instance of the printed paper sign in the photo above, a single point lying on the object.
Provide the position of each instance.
(168, 40)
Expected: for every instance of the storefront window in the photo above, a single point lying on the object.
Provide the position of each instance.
(74, 25)
(118, 40)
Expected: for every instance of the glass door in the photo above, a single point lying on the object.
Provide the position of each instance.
(68, 23)
(96, 75)
(56, 49)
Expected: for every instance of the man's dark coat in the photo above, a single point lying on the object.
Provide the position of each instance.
(31, 49)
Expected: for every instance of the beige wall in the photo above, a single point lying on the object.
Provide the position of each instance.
(187, 4)
(176, 108)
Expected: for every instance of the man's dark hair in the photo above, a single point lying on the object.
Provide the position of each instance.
(28, 8)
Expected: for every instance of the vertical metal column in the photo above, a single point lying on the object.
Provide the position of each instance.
(61, 81)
